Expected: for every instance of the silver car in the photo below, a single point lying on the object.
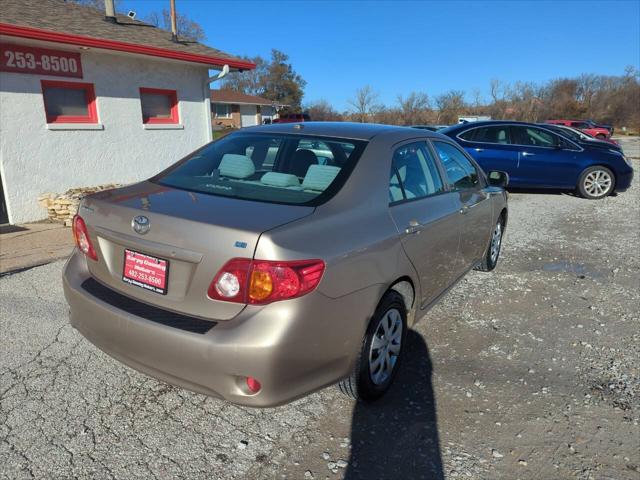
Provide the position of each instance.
(282, 259)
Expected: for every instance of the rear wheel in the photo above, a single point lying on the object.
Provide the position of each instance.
(490, 259)
(596, 182)
(381, 351)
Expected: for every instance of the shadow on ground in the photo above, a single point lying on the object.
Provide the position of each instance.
(397, 437)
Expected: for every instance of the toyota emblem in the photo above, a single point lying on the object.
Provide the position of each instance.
(140, 224)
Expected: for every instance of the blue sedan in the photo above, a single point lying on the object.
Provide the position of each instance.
(538, 157)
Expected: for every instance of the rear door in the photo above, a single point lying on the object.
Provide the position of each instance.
(426, 215)
(492, 148)
(545, 159)
(473, 203)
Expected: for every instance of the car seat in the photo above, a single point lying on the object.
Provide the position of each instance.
(301, 162)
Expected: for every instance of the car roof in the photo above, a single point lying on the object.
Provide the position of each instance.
(485, 123)
(350, 130)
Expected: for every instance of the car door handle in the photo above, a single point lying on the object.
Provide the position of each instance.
(528, 154)
(464, 209)
(413, 227)
(479, 150)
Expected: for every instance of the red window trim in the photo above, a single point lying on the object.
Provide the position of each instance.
(173, 99)
(92, 111)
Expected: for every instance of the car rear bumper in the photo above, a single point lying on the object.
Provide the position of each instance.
(292, 347)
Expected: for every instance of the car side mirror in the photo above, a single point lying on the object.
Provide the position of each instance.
(497, 178)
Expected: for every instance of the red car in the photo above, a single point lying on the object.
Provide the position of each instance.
(292, 118)
(598, 132)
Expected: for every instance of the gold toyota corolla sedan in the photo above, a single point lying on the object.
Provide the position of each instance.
(282, 259)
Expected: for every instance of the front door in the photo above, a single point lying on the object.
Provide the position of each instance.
(474, 204)
(545, 159)
(427, 217)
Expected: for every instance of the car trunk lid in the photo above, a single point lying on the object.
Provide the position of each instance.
(195, 233)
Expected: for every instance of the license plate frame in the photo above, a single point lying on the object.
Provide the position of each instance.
(145, 271)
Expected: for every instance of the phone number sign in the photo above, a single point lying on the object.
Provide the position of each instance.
(40, 61)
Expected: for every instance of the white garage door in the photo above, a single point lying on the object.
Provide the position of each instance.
(248, 115)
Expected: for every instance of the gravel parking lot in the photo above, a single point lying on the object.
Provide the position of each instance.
(532, 371)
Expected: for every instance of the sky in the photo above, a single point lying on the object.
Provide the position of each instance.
(398, 47)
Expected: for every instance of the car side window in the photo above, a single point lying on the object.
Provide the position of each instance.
(534, 137)
(414, 173)
(494, 134)
(461, 172)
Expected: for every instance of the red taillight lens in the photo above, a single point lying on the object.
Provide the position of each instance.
(261, 281)
(81, 236)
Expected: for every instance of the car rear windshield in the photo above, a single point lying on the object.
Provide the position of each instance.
(290, 169)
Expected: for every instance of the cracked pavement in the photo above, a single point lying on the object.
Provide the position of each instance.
(530, 372)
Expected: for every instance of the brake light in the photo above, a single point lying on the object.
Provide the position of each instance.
(259, 282)
(81, 236)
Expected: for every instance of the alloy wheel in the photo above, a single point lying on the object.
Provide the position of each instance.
(598, 183)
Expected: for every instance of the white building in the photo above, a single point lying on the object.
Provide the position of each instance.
(87, 100)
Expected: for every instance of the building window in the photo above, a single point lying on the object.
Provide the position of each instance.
(223, 110)
(159, 106)
(69, 102)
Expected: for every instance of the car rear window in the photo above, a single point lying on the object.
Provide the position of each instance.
(290, 169)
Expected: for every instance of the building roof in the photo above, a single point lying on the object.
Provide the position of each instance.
(231, 96)
(65, 22)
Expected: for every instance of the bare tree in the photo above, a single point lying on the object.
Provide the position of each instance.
(322, 111)
(188, 29)
(364, 103)
(413, 108)
(449, 106)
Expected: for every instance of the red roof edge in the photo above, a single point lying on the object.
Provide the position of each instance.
(71, 39)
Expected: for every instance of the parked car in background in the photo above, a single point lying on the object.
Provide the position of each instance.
(580, 136)
(431, 128)
(597, 132)
(260, 280)
(594, 124)
(538, 157)
(292, 118)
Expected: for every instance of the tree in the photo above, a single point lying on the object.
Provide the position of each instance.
(322, 111)
(450, 105)
(188, 29)
(363, 103)
(413, 108)
(275, 80)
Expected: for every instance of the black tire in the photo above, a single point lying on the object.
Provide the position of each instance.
(489, 261)
(360, 385)
(587, 191)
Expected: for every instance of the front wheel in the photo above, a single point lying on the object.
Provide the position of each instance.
(596, 182)
(381, 352)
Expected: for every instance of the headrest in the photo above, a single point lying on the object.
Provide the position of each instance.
(236, 166)
(319, 177)
(280, 179)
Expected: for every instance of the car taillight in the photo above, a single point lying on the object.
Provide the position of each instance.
(82, 239)
(259, 282)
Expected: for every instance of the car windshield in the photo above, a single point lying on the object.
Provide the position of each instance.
(290, 169)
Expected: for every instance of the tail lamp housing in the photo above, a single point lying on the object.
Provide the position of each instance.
(259, 282)
(81, 236)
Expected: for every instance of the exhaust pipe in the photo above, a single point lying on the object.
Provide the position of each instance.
(174, 25)
(110, 11)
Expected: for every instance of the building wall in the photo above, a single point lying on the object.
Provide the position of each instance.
(35, 159)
